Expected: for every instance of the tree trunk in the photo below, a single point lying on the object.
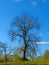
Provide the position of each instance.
(24, 33)
(24, 54)
(6, 58)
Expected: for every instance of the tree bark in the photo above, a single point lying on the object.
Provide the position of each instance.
(25, 46)
(5, 56)
(24, 57)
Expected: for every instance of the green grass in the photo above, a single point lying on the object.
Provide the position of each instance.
(38, 62)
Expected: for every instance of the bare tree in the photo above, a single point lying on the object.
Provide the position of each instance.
(24, 28)
(5, 50)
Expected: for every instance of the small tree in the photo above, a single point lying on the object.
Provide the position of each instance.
(24, 28)
(5, 50)
(46, 55)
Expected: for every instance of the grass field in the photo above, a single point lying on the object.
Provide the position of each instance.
(44, 62)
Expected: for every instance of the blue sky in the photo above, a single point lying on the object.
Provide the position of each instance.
(9, 9)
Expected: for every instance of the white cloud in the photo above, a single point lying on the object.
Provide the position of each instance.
(43, 43)
(34, 3)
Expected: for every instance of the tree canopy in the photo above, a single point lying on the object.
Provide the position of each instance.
(24, 28)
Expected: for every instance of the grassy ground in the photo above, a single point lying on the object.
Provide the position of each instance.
(39, 62)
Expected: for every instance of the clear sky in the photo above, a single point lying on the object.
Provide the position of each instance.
(9, 9)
